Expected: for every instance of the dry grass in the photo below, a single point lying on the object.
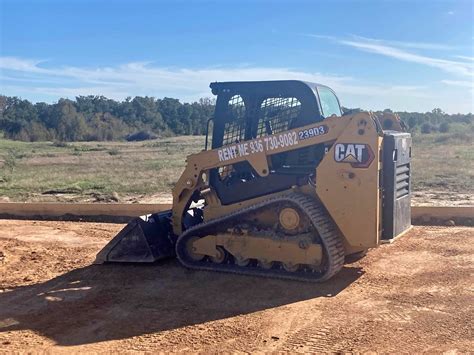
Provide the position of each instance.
(443, 162)
(95, 168)
(137, 170)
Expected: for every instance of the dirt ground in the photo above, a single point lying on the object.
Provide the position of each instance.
(410, 296)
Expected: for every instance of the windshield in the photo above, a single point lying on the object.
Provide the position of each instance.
(329, 102)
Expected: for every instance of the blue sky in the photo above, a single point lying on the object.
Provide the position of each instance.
(404, 55)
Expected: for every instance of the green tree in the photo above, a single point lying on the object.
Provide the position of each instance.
(426, 128)
(99, 118)
(444, 127)
(70, 125)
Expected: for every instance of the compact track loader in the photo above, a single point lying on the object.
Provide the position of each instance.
(289, 187)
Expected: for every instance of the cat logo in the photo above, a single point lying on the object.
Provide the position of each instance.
(358, 155)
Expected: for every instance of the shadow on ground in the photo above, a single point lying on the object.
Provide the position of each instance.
(109, 302)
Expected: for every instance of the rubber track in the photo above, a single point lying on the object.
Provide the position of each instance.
(319, 217)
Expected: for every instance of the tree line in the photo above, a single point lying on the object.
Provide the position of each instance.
(430, 122)
(97, 118)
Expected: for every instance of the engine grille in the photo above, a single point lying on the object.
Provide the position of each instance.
(402, 179)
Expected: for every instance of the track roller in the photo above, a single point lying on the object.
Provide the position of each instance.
(323, 254)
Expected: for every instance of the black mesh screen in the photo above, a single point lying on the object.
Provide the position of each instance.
(276, 115)
(234, 128)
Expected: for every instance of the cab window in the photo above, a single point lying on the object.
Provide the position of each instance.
(329, 103)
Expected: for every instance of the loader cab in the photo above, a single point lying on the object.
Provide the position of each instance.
(249, 110)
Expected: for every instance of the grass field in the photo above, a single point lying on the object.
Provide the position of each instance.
(92, 171)
(443, 169)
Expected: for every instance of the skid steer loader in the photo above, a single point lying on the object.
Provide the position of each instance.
(288, 187)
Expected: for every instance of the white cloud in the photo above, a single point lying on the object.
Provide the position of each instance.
(471, 59)
(403, 44)
(462, 83)
(14, 63)
(450, 13)
(407, 44)
(459, 98)
(392, 49)
(454, 67)
(142, 78)
(37, 80)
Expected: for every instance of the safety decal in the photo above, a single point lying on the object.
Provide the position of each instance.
(357, 154)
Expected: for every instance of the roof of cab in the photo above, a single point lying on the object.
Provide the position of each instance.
(277, 85)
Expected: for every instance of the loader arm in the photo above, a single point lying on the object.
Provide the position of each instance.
(256, 152)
